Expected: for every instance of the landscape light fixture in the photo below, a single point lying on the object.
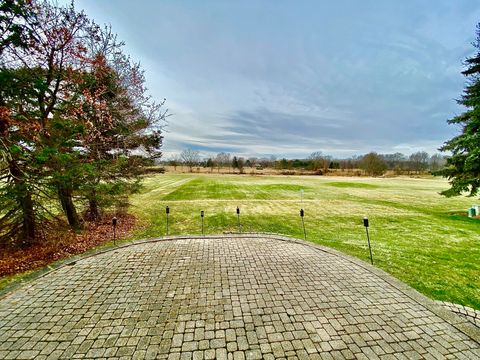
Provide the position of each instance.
(302, 215)
(238, 220)
(202, 215)
(167, 211)
(114, 224)
(365, 223)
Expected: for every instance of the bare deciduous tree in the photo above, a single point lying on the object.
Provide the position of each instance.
(190, 158)
(319, 161)
(373, 164)
(222, 159)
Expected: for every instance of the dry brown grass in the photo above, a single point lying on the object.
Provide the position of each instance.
(58, 243)
(265, 171)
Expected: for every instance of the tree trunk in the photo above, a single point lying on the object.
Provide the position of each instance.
(93, 212)
(65, 197)
(28, 223)
(25, 203)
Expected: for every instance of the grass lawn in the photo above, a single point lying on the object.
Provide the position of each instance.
(417, 235)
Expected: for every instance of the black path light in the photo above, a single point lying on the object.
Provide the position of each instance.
(238, 220)
(167, 211)
(302, 214)
(365, 223)
(114, 224)
(202, 215)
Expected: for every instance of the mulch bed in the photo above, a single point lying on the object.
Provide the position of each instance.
(59, 243)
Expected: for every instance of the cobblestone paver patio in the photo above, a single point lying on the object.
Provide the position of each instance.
(227, 297)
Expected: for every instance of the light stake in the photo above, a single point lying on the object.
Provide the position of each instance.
(302, 214)
(114, 224)
(202, 214)
(365, 223)
(167, 211)
(238, 218)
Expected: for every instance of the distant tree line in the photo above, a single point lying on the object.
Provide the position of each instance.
(76, 124)
(372, 164)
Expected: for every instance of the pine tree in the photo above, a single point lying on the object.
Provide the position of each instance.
(463, 166)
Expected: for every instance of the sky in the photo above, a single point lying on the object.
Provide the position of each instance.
(288, 78)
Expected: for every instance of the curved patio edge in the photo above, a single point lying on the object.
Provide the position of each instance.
(460, 323)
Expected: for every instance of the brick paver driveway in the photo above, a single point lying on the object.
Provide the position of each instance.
(226, 297)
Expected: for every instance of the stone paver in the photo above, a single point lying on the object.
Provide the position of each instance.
(226, 297)
(468, 313)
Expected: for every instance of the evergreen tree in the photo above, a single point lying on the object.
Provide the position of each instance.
(16, 16)
(234, 163)
(463, 166)
(210, 164)
(240, 164)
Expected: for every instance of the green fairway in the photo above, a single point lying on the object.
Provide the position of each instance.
(417, 235)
